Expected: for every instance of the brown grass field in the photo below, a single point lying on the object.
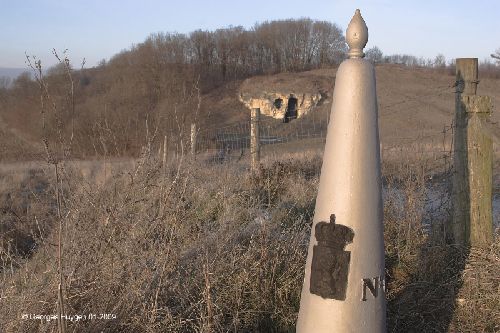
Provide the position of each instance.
(204, 245)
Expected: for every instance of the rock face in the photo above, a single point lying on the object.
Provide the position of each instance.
(274, 104)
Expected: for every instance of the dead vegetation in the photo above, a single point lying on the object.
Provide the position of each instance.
(169, 251)
(212, 247)
(205, 245)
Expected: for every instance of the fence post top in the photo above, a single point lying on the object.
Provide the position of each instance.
(357, 36)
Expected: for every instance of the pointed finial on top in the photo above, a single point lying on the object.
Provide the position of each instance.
(356, 36)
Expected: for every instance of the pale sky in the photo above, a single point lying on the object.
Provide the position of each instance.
(98, 29)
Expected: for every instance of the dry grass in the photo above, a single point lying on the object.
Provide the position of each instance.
(198, 257)
(428, 280)
(183, 254)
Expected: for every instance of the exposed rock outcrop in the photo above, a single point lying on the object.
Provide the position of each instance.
(274, 104)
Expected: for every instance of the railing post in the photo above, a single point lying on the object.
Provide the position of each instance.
(254, 137)
(472, 220)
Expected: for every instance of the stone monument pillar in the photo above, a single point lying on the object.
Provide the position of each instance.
(344, 282)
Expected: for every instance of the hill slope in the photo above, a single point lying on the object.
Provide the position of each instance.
(12, 73)
(15, 147)
(414, 103)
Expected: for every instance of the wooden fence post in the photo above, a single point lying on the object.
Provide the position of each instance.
(193, 139)
(480, 168)
(164, 160)
(254, 137)
(472, 220)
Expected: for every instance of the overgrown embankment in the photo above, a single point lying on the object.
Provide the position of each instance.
(168, 250)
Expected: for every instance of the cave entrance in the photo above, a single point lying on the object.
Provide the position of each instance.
(278, 102)
(291, 109)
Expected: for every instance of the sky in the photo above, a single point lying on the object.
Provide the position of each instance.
(98, 29)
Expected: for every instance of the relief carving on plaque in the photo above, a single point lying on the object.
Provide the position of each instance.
(330, 262)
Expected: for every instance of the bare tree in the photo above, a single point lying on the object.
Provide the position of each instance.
(440, 61)
(374, 54)
(496, 56)
(152, 78)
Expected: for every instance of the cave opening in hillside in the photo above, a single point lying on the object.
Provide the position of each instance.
(278, 102)
(291, 109)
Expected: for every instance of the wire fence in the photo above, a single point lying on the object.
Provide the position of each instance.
(272, 131)
(234, 139)
(428, 150)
